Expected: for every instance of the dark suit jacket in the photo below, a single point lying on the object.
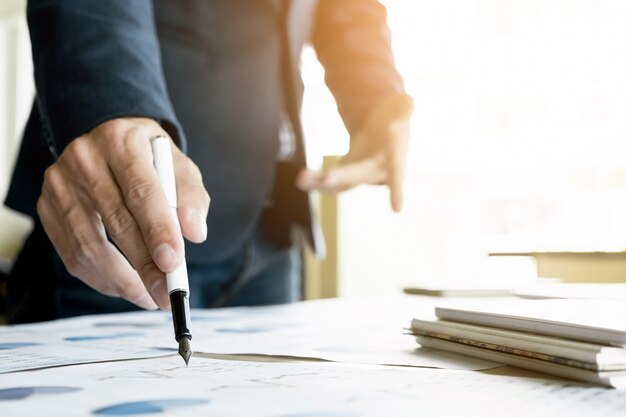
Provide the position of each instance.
(180, 62)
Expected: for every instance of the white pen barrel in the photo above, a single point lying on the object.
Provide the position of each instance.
(177, 280)
(164, 166)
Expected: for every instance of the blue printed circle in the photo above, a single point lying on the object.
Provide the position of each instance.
(19, 393)
(149, 406)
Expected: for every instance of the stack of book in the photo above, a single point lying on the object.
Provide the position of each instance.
(583, 340)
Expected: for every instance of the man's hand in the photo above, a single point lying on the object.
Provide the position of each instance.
(105, 182)
(377, 154)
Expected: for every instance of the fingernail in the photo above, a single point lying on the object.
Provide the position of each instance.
(165, 258)
(146, 301)
(199, 221)
(159, 293)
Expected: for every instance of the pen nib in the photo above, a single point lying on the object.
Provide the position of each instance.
(184, 349)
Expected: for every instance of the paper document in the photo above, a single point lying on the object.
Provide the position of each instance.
(355, 331)
(598, 321)
(212, 387)
(568, 352)
(616, 379)
(84, 340)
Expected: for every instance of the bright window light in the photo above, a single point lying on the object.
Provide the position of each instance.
(518, 141)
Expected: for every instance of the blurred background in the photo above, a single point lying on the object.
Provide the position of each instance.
(516, 167)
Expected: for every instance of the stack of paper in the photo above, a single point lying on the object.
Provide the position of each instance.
(578, 339)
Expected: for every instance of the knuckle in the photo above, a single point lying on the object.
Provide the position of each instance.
(158, 233)
(205, 201)
(99, 285)
(77, 148)
(106, 290)
(96, 184)
(69, 215)
(73, 266)
(147, 269)
(125, 289)
(206, 198)
(193, 193)
(118, 221)
(115, 128)
(120, 138)
(140, 191)
(194, 171)
(86, 248)
(196, 196)
(117, 147)
(52, 177)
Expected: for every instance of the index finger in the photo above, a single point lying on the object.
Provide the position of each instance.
(396, 165)
(395, 184)
(130, 160)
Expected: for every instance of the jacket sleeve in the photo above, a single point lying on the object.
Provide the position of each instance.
(353, 43)
(94, 61)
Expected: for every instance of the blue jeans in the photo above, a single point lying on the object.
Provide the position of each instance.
(40, 288)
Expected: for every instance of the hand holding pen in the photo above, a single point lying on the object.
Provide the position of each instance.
(104, 183)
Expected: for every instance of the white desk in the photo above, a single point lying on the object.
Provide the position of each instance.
(251, 385)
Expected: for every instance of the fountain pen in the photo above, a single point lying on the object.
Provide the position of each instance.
(177, 280)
